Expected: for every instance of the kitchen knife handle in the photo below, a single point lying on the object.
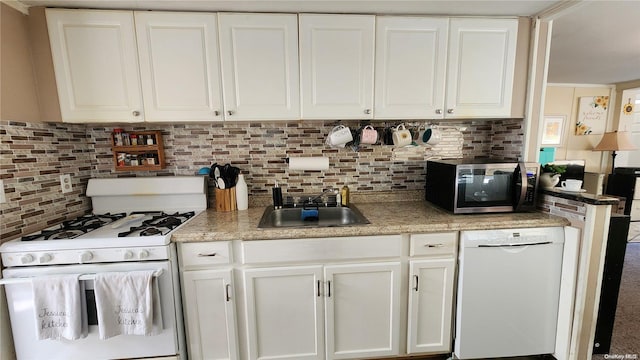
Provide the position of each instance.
(227, 291)
(416, 287)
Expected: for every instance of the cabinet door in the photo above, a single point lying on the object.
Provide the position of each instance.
(284, 313)
(430, 305)
(259, 54)
(209, 314)
(411, 54)
(336, 65)
(482, 56)
(96, 65)
(179, 66)
(363, 310)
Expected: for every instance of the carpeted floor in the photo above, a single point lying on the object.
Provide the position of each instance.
(626, 329)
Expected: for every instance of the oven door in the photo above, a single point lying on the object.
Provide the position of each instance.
(485, 188)
(23, 323)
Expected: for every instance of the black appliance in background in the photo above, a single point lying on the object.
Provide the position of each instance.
(623, 183)
(614, 259)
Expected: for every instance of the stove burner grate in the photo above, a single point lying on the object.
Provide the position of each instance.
(70, 229)
(159, 224)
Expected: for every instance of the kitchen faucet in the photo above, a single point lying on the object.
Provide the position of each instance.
(313, 199)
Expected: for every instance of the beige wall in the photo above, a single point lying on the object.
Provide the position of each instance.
(620, 88)
(18, 91)
(563, 100)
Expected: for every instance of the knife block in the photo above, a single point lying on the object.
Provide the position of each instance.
(226, 199)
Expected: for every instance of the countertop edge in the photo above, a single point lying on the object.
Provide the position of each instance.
(424, 218)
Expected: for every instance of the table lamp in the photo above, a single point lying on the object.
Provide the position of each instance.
(614, 141)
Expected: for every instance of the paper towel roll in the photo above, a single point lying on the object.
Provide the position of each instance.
(309, 163)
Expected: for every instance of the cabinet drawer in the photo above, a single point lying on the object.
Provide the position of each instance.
(433, 244)
(204, 253)
(327, 249)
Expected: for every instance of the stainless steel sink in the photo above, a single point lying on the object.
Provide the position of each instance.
(327, 216)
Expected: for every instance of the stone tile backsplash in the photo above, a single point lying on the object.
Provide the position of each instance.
(35, 154)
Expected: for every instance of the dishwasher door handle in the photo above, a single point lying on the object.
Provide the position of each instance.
(514, 245)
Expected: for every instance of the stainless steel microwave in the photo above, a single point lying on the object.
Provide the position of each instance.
(482, 186)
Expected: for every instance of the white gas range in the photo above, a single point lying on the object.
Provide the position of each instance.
(129, 230)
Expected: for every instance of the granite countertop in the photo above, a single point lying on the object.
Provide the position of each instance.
(581, 196)
(386, 219)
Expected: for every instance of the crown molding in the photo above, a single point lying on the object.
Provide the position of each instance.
(17, 5)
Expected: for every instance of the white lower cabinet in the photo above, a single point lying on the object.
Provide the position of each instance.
(209, 314)
(430, 305)
(362, 310)
(431, 283)
(290, 309)
(284, 312)
(208, 300)
(319, 298)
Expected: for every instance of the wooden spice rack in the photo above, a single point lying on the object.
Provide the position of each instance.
(124, 154)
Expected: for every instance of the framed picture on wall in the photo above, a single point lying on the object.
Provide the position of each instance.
(552, 130)
(592, 115)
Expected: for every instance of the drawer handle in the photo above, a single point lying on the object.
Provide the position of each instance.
(328, 288)
(318, 289)
(208, 255)
(227, 291)
(433, 245)
(416, 287)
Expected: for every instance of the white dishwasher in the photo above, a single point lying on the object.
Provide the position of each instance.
(508, 291)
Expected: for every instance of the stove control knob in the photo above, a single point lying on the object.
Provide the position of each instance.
(85, 256)
(143, 254)
(128, 255)
(27, 258)
(45, 258)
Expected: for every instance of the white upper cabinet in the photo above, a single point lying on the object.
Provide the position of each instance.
(96, 65)
(179, 66)
(411, 55)
(259, 54)
(336, 66)
(481, 67)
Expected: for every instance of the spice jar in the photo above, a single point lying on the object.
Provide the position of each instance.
(117, 137)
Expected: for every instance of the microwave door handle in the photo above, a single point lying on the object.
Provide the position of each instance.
(522, 169)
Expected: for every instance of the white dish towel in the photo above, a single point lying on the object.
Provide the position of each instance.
(58, 307)
(127, 303)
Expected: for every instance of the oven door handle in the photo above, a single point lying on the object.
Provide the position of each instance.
(9, 281)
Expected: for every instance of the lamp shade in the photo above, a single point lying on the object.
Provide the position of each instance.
(615, 141)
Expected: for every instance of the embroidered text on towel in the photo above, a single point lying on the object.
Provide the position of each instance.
(124, 303)
(58, 307)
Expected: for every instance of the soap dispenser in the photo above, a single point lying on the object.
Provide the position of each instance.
(344, 194)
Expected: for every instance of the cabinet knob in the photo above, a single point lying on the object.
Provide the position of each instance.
(449, 111)
(367, 111)
(438, 111)
(229, 112)
(136, 113)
